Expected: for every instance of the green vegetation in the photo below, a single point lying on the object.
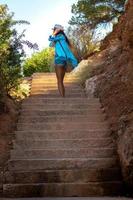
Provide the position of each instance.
(11, 52)
(39, 62)
(82, 41)
(96, 12)
(88, 17)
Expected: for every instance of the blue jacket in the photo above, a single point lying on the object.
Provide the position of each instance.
(62, 49)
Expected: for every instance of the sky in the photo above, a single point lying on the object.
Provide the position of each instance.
(42, 15)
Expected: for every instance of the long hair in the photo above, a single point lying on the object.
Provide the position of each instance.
(67, 40)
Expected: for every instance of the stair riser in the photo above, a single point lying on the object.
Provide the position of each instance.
(63, 176)
(67, 89)
(63, 119)
(62, 103)
(53, 94)
(59, 126)
(63, 190)
(54, 81)
(62, 144)
(60, 100)
(59, 112)
(55, 87)
(19, 165)
(60, 107)
(50, 154)
(57, 95)
(62, 135)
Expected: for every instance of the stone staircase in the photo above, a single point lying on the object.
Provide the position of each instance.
(62, 146)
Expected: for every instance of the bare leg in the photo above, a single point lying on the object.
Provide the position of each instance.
(60, 73)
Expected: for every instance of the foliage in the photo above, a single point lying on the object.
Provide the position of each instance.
(11, 51)
(89, 18)
(95, 12)
(39, 62)
(82, 39)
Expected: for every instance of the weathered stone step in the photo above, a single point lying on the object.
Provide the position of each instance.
(78, 189)
(49, 84)
(67, 119)
(61, 100)
(50, 74)
(44, 89)
(65, 176)
(34, 102)
(41, 143)
(61, 106)
(56, 93)
(40, 77)
(71, 95)
(67, 76)
(62, 126)
(54, 80)
(53, 87)
(66, 163)
(64, 134)
(38, 153)
(60, 112)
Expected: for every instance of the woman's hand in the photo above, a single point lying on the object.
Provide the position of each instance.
(56, 31)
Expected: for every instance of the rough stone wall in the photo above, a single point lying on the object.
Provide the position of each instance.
(114, 86)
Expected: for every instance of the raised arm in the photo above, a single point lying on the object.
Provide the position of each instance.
(56, 38)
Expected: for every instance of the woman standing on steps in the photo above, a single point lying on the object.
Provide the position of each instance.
(63, 55)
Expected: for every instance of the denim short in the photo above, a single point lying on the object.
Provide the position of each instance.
(59, 61)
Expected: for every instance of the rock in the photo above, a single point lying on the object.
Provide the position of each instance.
(125, 150)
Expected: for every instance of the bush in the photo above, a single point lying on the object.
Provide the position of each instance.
(39, 62)
(11, 52)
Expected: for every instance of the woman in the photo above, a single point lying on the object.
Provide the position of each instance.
(63, 55)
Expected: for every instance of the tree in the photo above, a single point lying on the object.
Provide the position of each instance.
(11, 51)
(95, 12)
(82, 39)
(39, 62)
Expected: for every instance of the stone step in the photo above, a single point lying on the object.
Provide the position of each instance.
(64, 134)
(50, 74)
(40, 77)
(60, 111)
(54, 80)
(65, 176)
(60, 164)
(34, 102)
(67, 119)
(56, 93)
(61, 100)
(45, 78)
(54, 86)
(49, 84)
(60, 106)
(36, 142)
(62, 126)
(44, 89)
(70, 112)
(71, 95)
(38, 153)
(78, 189)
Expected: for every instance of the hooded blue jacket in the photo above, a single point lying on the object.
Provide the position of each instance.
(62, 49)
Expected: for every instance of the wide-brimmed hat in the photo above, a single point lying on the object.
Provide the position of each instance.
(58, 26)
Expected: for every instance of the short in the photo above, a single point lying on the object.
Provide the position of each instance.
(59, 61)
